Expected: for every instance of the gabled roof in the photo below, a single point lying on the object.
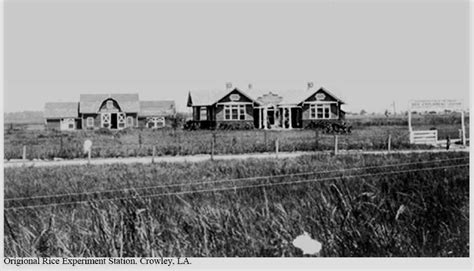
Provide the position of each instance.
(90, 103)
(61, 110)
(210, 97)
(205, 97)
(157, 108)
(288, 97)
(330, 94)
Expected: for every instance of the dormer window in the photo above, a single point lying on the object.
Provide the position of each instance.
(109, 104)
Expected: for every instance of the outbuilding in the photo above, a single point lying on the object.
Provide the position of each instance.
(110, 111)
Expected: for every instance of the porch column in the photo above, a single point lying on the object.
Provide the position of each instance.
(260, 118)
(265, 113)
(289, 118)
(282, 117)
(274, 115)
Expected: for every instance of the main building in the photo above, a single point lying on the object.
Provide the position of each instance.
(235, 108)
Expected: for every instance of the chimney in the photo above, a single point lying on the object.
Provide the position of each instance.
(228, 85)
(310, 85)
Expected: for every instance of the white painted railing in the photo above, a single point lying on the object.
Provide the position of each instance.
(428, 137)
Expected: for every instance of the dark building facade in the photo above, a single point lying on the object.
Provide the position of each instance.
(264, 109)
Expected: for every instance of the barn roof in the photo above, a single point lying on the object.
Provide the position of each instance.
(90, 103)
(157, 108)
(61, 110)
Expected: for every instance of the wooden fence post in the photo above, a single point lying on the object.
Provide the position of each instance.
(276, 147)
(212, 145)
(316, 139)
(178, 138)
(463, 128)
(89, 155)
(24, 152)
(389, 142)
(265, 139)
(335, 144)
(154, 153)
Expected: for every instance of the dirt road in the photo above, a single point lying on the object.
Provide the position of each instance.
(198, 158)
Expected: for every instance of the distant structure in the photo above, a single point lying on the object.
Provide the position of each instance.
(264, 109)
(110, 111)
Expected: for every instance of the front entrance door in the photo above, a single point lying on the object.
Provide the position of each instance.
(113, 122)
(271, 117)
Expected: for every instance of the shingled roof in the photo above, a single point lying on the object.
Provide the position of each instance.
(61, 110)
(205, 97)
(210, 97)
(90, 103)
(288, 97)
(157, 108)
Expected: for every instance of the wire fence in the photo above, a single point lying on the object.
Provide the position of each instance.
(169, 142)
(222, 185)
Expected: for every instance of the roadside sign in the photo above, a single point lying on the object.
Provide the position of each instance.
(434, 105)
(87, 146)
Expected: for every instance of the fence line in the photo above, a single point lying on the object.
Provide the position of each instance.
(239, 187)
(171, 140)
(227, 188)
(237, 179)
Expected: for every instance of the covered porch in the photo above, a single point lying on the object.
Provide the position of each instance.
(277, 116)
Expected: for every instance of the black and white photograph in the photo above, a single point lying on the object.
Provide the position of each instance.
(164, 133)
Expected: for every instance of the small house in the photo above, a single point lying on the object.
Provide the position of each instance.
(110, 111)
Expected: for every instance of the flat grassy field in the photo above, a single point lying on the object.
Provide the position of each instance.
(413, 205)
(126, 143)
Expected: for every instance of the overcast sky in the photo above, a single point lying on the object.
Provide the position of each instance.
(370, 52)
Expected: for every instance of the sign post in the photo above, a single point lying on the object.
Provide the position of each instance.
(88, 149)
(436, 105)
(463, 129)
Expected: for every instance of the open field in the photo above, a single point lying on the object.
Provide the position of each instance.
(127, 143)
(361, 205)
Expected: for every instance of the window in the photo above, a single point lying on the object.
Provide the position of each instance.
(155, 122)
(320, 111)
(109, 104)
(105, 117)
(130, 121)
(234, 112)
(242, 112)
(67, 124)
(121, 120)
(90, 122)
(203, 114)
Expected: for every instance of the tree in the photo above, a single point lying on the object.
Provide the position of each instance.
(363, 112)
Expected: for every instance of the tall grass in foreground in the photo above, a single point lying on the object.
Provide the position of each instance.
(412, 213)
